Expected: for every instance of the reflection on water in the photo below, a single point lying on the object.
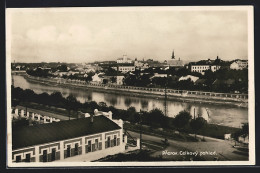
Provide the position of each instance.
(224, 115)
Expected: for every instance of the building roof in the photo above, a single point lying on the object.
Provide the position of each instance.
(174, 62)
(57, 131)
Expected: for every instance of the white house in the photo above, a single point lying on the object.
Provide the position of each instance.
(96, 78)
(119, 80)
(84, 139)
(125, 69)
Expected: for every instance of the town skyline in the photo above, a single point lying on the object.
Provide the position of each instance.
(87, 35)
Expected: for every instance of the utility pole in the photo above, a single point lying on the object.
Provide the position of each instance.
(141, 130)
(165, 95)
(194, 114)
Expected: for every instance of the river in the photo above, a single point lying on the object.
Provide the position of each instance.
(218, 114)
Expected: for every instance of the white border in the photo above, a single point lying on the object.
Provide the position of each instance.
(251, 107)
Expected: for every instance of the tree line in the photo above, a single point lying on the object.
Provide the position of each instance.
(182, 122)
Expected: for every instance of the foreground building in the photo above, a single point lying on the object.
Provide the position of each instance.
(84, 139)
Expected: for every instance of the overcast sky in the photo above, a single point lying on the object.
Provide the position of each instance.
(89, 35)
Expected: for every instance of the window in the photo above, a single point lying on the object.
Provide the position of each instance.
(76, 149)
(89, 146)
(68, 151)
(114, 140)
(53, 154)
(44, 156)
(18, 159)
(108, 142)
(96, 144)
(28, 157)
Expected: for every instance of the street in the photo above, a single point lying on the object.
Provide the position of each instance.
(209, 150)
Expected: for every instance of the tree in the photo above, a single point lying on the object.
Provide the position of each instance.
(62, 68)
(71, 104)
(131, 113)
(89, 77)
(245, 129)
(197, 124)
(111, 72)
(156, 118)
(113, 79)
(182, 119)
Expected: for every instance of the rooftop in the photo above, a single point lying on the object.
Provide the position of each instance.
(57, 131)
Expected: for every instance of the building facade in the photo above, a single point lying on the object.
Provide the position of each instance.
(202, 68)
(125, 69)
(84, 139)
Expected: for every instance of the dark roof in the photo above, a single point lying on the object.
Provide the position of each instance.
(57, 131)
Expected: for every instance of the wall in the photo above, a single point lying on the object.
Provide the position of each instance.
(102, 150)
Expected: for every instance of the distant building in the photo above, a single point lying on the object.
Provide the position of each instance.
(119, 80)
(173, 62)
(83, 139)
(96, 78)
(227, 136)
(239, 65)
(125, 69)
(202, 66)
(138, 64)
(199, 68)
(124, 60)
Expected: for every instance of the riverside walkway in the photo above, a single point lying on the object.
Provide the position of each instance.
(226, 97)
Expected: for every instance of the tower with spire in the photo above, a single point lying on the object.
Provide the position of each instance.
(173, 57)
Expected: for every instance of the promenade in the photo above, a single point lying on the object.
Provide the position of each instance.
(159, 93)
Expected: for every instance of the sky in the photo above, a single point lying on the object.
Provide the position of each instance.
(99, 34)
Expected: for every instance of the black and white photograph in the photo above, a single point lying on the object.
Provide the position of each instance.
(130, 86)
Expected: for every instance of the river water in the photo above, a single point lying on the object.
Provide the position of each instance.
(218, 114)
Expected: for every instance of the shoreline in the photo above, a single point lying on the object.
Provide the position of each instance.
(145, 94)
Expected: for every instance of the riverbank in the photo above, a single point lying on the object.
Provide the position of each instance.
(155, 93)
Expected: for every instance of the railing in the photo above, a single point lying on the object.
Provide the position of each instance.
(242, 97)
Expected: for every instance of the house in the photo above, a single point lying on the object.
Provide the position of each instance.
(83, 139)
(125, 69)
(204, 65)
(227, 136)
(119, 80)
(96, 78)
(239, 64)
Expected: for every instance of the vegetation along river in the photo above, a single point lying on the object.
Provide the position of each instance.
(227, 115)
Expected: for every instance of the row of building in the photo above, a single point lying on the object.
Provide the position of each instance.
(84, 139)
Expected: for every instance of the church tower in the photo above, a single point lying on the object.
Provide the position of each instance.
(173, 57)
